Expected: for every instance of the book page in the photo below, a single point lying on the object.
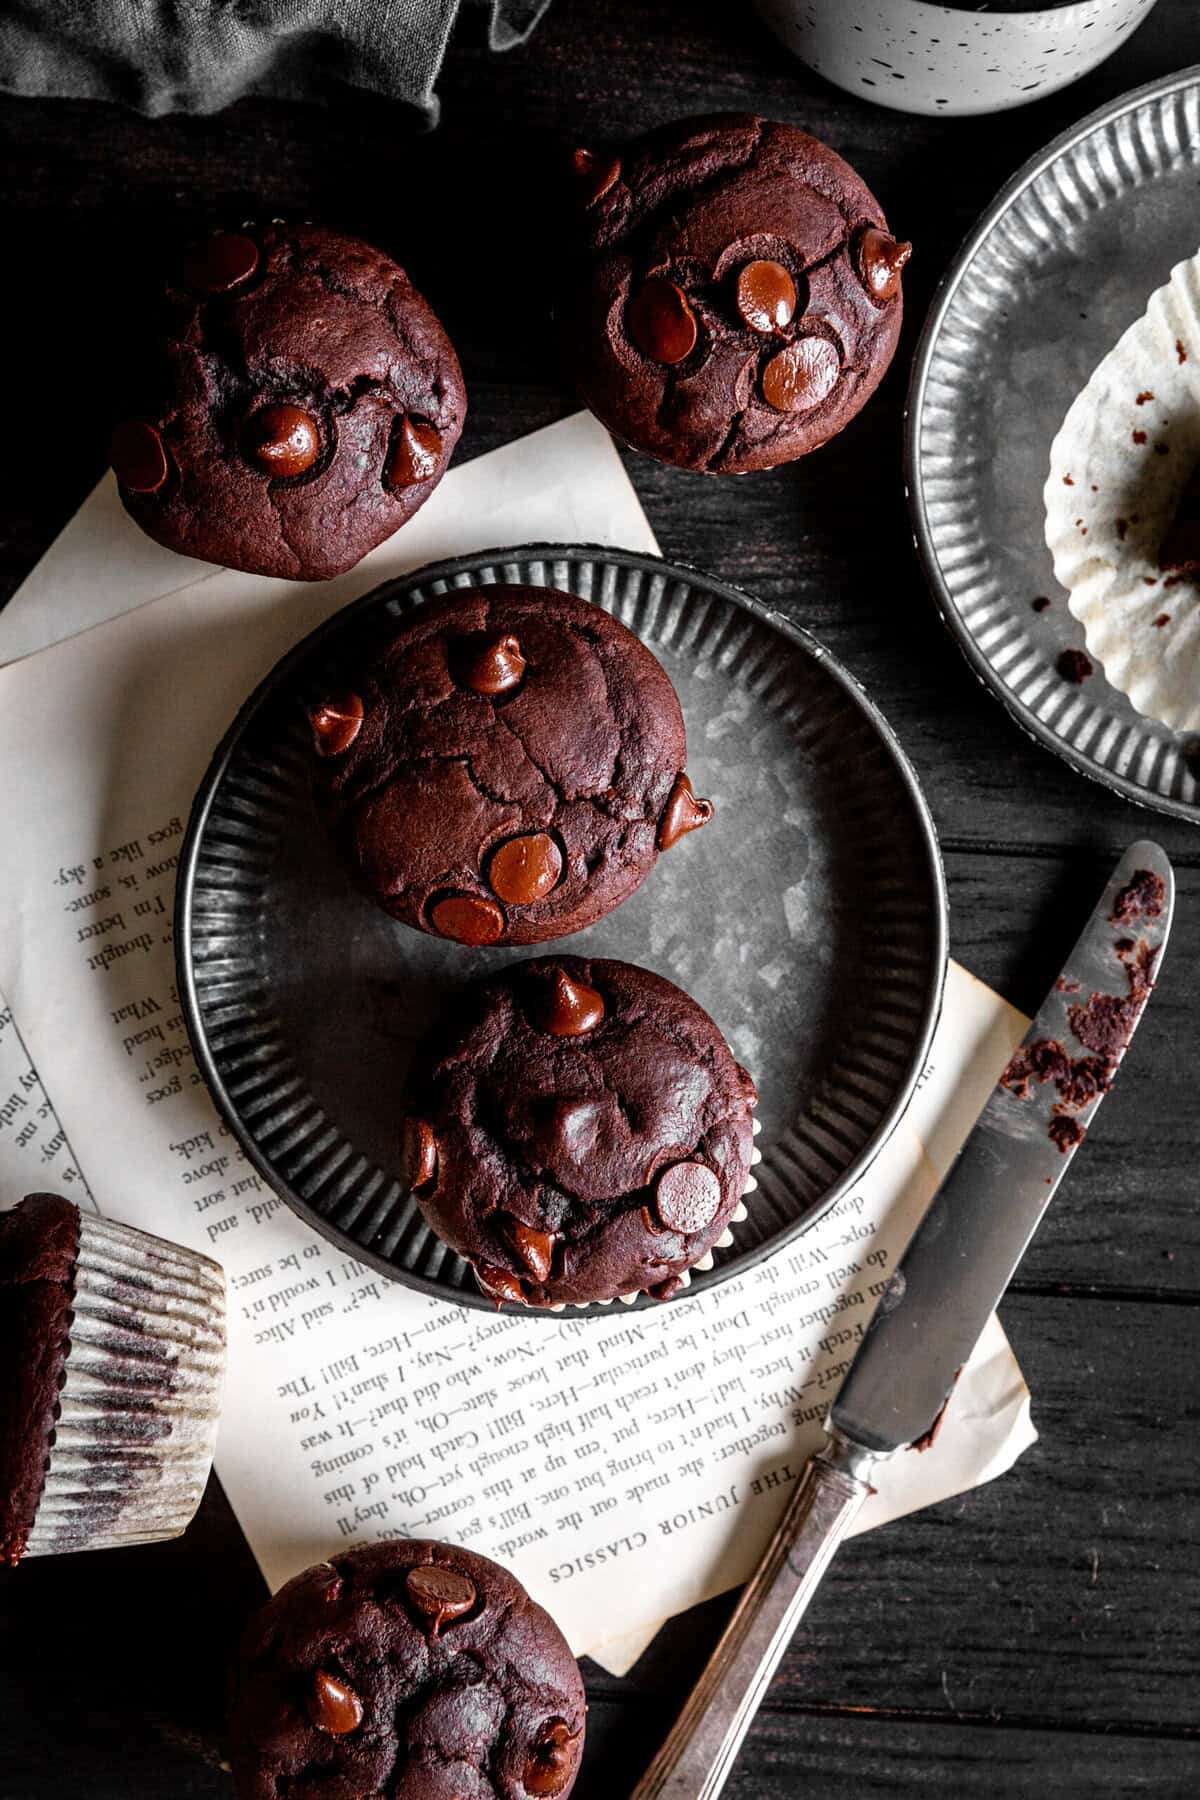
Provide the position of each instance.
(35, 1156)
(657, 1446)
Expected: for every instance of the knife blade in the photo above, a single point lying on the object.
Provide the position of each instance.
(956, 1267)
(963, 1254)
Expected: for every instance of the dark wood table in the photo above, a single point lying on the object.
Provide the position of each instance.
(1036, 1636)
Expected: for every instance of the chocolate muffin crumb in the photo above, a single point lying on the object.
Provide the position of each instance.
(1075, 666)
(1065, 1132)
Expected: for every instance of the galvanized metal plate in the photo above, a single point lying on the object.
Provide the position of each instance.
(1062, 262)
(809, 917)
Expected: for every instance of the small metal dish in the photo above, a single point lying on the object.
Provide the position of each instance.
(1059, 265)
(809, 918)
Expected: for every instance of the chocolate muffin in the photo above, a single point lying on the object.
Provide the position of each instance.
(734, 293)
(405, 1671)
(579, 1131)
(303, 402)
(507, 769)
(39, 1241)
(112, 1353)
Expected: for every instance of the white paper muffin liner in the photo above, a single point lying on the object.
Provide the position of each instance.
(133, 1443)
(1118, 466)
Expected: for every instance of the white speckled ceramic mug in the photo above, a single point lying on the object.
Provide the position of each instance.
(960, 58)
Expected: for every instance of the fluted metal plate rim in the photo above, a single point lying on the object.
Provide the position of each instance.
(283, 1131)
(1109, 742)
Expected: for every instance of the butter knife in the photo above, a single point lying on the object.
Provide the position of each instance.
(961, 1258)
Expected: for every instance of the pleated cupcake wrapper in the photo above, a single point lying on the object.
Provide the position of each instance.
(133, 1443)
(1117, 469)
(702, 1262)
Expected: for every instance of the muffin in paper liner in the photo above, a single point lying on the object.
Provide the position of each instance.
(1118, 468)
(131, 1335)
(579, 1131)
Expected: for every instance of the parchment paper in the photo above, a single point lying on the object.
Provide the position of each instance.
(658, 1449)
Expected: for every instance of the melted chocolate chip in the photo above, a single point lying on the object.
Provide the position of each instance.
(418, 1152)
(499, 1284)
(137, 456)
(333, 1705)
(496, 668)
(594, 175)
(567, 1008)
(415, 452)
(661, 321)
(221, 262)
(880, 258)
(467, 918)
(766, 296)
(336, 723)
(525, 869)
(439, 1595)
(535, 1248)
(549, 1768)
(687, 1196)
(682, 813)
(803, 374)
(283, 440)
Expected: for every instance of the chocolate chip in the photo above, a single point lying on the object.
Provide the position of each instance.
(594, 175)
(439, 1595)
(333, 1705)
(549, 1768)
(137, 456)
(418, 1152)
(467, 918)
(568, 1008)
(766, 296)
(499, 1284)
(525, 869)
(221, 262)
(661, 322)
(879, 258)
(283, 440)
(803, 374)
(497, 668)
(687, 1196)
(682, 813)
(535, 1248)
(336, 723)
(415, 452)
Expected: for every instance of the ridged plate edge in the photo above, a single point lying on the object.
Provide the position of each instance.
(1147, 127)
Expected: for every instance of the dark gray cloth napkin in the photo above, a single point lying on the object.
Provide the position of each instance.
(163, 56)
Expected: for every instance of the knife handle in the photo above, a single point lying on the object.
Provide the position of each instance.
(695, 1761)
